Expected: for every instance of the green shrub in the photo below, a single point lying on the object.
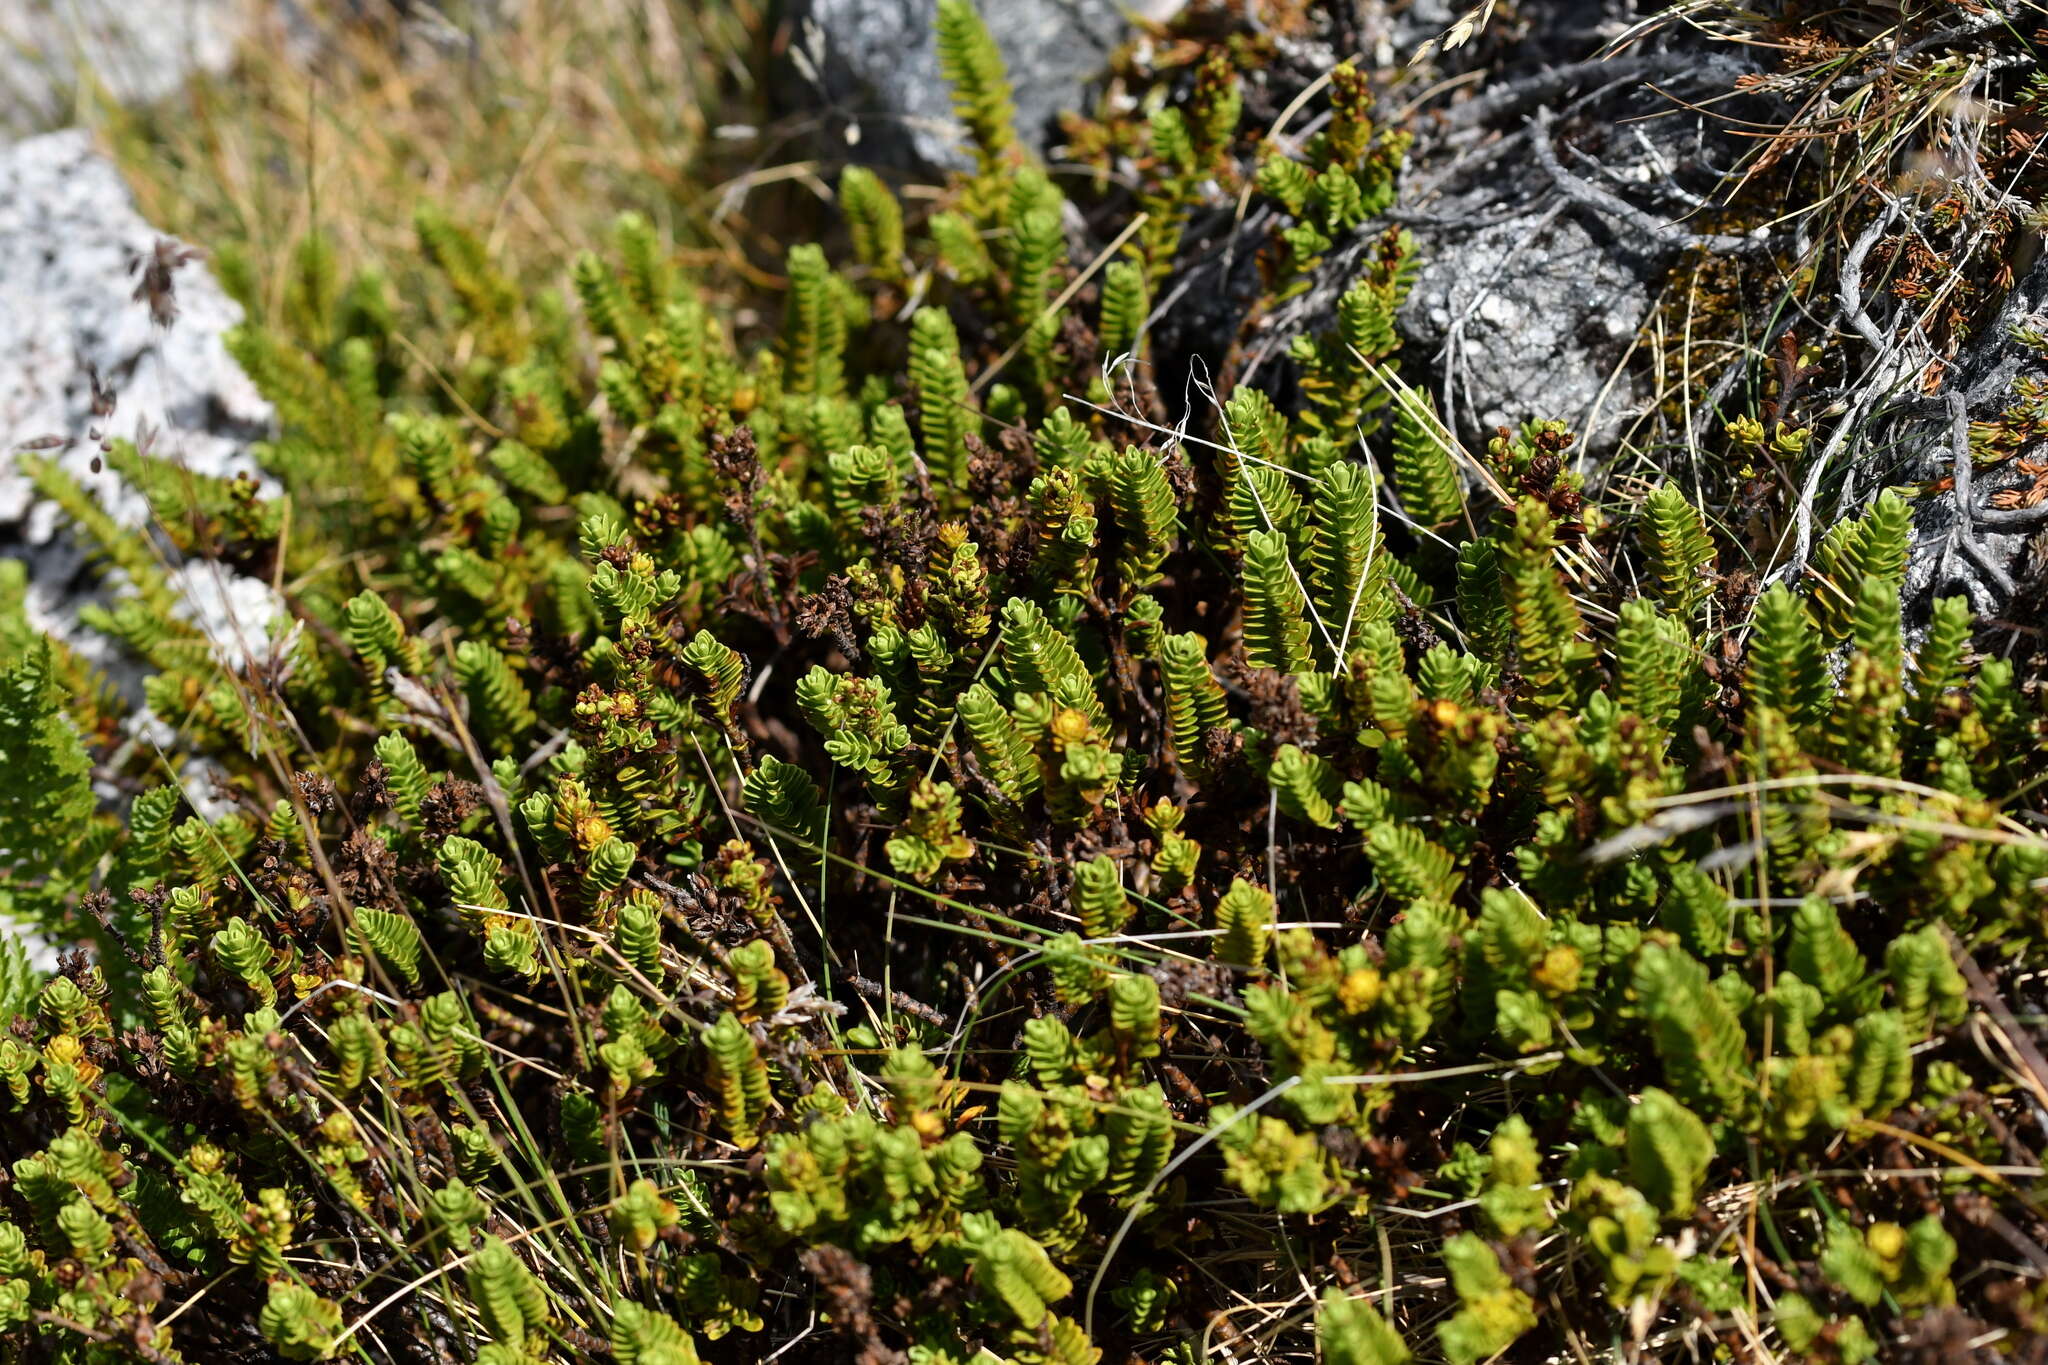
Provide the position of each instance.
(652, 846)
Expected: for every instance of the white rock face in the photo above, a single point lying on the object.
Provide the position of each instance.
(70, 242)
(139, 50)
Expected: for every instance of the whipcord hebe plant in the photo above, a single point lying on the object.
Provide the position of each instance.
(806, 853)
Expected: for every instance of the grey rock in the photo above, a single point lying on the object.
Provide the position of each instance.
(1560, 30)
(875, 66)
(70, 238)
(1529, 318)
(1527, 300)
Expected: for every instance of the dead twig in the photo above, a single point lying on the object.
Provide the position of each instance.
(1506, 97)
(910, 1005)
(2011, 518)
(1993, 1004)
(1613, 206)
(1964, 535)
(1849, 284)
(1849, 294)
